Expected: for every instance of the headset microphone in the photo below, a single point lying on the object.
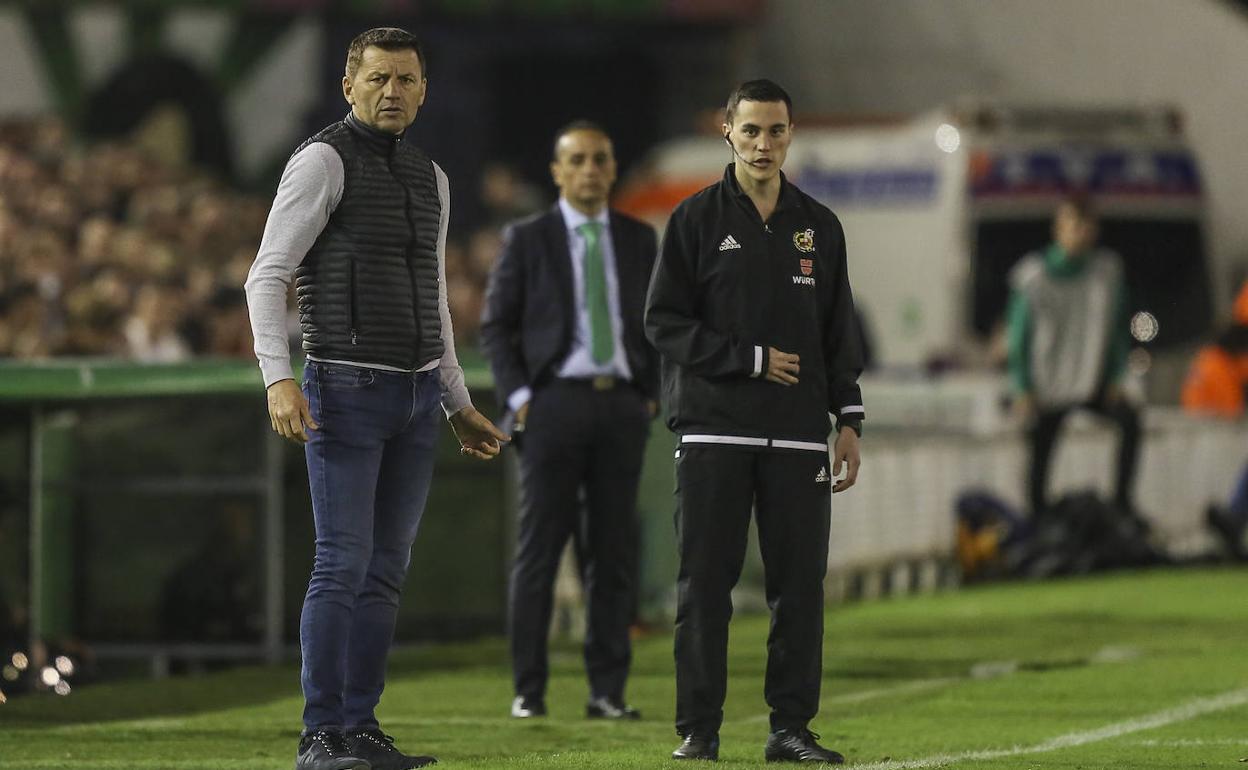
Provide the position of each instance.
(744, 160)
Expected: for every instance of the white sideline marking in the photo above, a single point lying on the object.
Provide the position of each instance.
(1180, 743)
(1162, 718)
(988, 669)
(146, 723)
(918, 685)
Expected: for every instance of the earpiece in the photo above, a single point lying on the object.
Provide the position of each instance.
(739, 155)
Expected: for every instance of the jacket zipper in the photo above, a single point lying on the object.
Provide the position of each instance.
(411, 244)
(355, 335)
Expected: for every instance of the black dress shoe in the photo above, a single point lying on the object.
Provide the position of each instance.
(798, 745)
(699, 746)
(379, 750)
(610, 708)
(327, 750)
(527, 708)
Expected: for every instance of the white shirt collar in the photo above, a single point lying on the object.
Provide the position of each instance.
(574, 219)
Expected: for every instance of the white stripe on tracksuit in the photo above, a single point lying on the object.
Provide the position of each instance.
(775, 443)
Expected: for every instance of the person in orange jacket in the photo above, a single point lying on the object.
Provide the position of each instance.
(1216, 385)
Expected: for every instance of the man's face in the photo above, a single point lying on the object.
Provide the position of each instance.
(1072, 231)
(387, 89)
(760, 133)
(584, 168)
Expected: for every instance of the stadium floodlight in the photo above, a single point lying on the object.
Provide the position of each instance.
(49, 676)
(948, 138)
(1144, 326)
(20, 661)
(64, 666)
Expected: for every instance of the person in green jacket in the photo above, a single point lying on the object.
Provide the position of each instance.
(1068, 339)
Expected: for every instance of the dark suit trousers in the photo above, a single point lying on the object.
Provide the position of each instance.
(716, 489)
(577, 438)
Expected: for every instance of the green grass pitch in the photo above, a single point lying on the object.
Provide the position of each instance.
(1145, 670)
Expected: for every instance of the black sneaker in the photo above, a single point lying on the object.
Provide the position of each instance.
(798, 745)
(327, 750)
(378, 748)
(699, 746)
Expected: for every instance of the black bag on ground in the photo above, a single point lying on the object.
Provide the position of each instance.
(1083, 532)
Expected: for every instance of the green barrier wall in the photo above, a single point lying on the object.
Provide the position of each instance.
(149, 510)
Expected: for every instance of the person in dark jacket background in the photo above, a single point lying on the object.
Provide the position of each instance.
(563, 331)
(751, 309)
(360, 220)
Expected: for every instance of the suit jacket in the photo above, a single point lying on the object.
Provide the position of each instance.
(530, 316)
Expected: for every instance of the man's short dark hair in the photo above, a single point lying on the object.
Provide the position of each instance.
(1080, 202)
(762, 90)
(387, 39)
(576, 125)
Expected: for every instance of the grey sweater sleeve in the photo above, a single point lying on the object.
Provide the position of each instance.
(454, 392)
(310, 190)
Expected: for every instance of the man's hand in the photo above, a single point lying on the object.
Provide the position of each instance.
(1024, 407)
(845, 451)
(1113, 395)
(478, 437)
(782, 367)
(288, 411)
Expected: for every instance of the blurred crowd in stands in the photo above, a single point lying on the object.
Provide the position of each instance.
(105, 251)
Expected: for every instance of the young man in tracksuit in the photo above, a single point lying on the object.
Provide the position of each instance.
(750, 307)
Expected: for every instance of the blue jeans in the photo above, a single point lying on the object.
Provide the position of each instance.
(369, 468)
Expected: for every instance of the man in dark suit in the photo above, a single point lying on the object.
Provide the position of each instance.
(563, 331)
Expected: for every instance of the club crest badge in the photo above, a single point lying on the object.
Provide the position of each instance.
(804, 240)
(808, 266)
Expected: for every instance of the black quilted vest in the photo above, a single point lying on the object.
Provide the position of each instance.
(368, 288)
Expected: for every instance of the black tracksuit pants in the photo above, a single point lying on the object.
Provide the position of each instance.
(576, 440)
(1043, 437)
(717, 487)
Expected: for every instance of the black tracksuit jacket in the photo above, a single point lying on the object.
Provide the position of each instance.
(725, 288)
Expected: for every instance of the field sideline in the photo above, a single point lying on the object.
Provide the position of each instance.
(1138, 671)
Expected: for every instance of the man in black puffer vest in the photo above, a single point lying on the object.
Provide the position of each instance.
(359, 222)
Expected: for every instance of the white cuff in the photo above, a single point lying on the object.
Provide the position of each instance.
(519, 397)
(852, 410)
(758, 361)
(275, 369)
(456, 400)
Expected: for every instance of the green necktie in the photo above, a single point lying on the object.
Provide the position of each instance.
(601, 341)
